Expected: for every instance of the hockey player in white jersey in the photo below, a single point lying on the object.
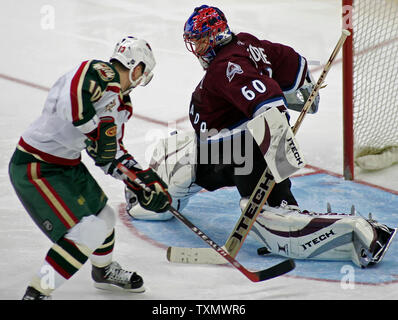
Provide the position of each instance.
(86, 109)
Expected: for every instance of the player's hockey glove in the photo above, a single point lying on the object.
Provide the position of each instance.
(148, 188)
(101, 144)
(150, 191)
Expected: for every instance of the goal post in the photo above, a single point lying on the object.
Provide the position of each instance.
(370, 85)
(348, 87)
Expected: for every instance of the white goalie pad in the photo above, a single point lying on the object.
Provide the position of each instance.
(276, 140)
(174, 160)
(323, 236)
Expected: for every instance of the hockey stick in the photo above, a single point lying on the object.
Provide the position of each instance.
(259, 195)
(255, 276)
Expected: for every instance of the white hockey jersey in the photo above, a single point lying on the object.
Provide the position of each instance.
(73, 108)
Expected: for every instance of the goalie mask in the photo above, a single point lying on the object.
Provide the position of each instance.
(205, 31)
(130, 52)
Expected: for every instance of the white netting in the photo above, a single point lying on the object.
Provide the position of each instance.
(375, 25)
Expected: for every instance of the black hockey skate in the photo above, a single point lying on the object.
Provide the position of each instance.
(33, 294)
(113, 277)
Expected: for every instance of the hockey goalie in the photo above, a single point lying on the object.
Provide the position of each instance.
(283, 230)
(239, 113)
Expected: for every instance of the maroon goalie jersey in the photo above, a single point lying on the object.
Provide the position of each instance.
(246, 77)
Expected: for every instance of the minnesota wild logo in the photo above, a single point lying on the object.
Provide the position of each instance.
(105, 72)
(110, 105)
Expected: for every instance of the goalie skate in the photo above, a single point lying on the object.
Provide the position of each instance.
(385, 235)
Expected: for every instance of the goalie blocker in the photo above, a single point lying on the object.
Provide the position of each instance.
(277, 143)
(283, 230)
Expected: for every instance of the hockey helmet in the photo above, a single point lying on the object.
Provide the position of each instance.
(205, 31)
(130, 52)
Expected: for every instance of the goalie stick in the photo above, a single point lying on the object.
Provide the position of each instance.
(259, 195)
(255, 276)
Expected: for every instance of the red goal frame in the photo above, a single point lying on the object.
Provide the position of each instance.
(348, 97)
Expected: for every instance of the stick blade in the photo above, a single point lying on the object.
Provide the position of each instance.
(194, 255)
(276, 270)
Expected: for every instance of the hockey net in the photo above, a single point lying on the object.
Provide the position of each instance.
(370, 58)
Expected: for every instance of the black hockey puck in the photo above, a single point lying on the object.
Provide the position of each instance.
(262, 251)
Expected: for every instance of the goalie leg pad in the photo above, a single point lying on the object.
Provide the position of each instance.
(276, 140)
(330, 236)
(139, 213)
(174, 160)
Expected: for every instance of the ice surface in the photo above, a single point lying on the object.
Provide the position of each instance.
(33, 56)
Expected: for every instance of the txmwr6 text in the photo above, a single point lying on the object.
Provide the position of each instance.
(200, 309)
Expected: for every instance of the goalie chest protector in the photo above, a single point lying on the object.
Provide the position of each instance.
(246, 77)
